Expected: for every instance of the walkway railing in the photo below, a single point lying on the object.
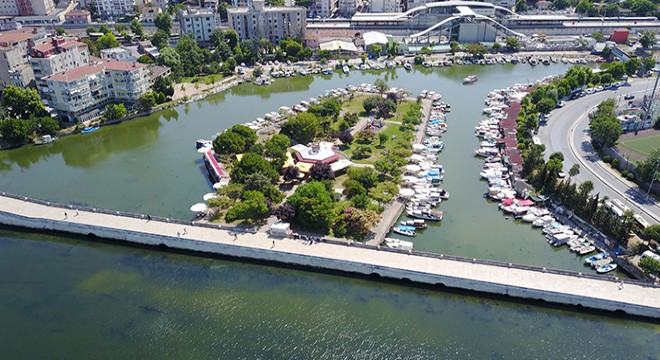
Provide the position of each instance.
(340, 243)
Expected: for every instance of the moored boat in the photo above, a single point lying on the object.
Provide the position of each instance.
(416, 223)
(591, 259)
(606, 268)
(425, 214)
(46, 139)
(470, 79)
(398, 244)
(88, 130)
(404, 230)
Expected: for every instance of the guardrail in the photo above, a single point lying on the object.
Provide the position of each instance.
(342, 243)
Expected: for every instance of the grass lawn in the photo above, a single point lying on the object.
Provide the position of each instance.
(205, 79)
(355, 105)
(642, 145)
(377, 150)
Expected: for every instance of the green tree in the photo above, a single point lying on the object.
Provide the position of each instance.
(252, 163)
(313, 204)
(45, 125)
(598, 36)
(302, 127)
(454, 46)
(650, 266)
(642, 7)
(647, 39)
(648, 63)
(231, 36)
(611, 10)
(136, 28)
(545, 105)
(115, 111)
(276, 147)
(160, 39)
(21, 103)
(60, 30)
(355, 223)
(15, 131)
(145, 59)
(512, 44)
(521, 6)
(93, 10)
(107, 41)
(585, 7)
(632, 66)
(91, 30)
(163, 21)
(367, 177)
(652, 233)
(574, 171)
(377, 49)
(164, 85)
(649, 167)
(91, 45)
(170, 57)
(371, 103)
(147, 101)
(617, 69)
(252, 207)
(104, 29)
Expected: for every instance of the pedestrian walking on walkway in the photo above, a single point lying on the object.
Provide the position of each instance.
(66, 216)
(185, 231)
(77, 213)
(148, 217)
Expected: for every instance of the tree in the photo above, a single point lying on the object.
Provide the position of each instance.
(652, 233)
(170, 58)
(93, 10)
(496, 47)
(252, 163)
(365, 176)
(585, 7)
(386, 108)
(475, 49)
(91, 45)
(234, 140)
(163, 21)
(60, 30)
(115, 111)
(321, 171)
(598, 36)
(136, 28)
(649, 63)
(291, 173)
(384, 192)
(650, 266)
(371, 103)
(647, 39)
(512, 43)
(107, 41)
(611, 10)
(573, 171)
(147, 101)
(277, 146)
(649, 168)
(256, 181)
(642, 7)
(313, 204)
(560, 4)
(345, 137)
(355, 223)
(454, 47)
(160, 39)
(45, 125)
(617, 69)
(545, 105)
(386, 166)
(302, 127)
(377, 49)
(15, 131)
(21, 103)
(632, 66)
(252, 207)
(285, 212)
(104, 29)
(521, 6)
(231, 37)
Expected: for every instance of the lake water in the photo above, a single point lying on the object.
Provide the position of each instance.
(67, 295)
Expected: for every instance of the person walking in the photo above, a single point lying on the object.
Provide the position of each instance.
(66, 216)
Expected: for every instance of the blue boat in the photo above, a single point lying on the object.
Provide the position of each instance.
(404, 230)
(600, 256)
(88, 130)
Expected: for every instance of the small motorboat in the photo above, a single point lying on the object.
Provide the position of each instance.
(88, 130)
(404, 230)
(46, 139)
(416, 223)
(470, 79)
(591, 259)
(606, 268)
(398, 244)
(345, 69)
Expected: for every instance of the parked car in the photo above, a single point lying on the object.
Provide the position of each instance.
(629, 97)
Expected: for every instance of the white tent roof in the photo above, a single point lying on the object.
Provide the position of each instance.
(340, 165)
(338, 45)
(374, 37)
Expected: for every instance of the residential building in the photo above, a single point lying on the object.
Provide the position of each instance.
(81, 93)
(118, 54)
(127, 81)
(347, 8)
(272, 23)
(199, 22)
(56, 56)
(8, 8)
(35, 7)
(322, 8)
(14, 59)
(211, 4)
(78, 17)
(385, 6)
(149, 13)
(114, 8)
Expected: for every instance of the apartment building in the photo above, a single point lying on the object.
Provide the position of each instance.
(126, 81)
(58, 55)
(199, 22)
(347, 8)
(114, 8)
(272, 23)
(8, 8)
(385, 6)
(83, 91)
(14, 56)
(119, 54)
(78, 17)
(322, 8)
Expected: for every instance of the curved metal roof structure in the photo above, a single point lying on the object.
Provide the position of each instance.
(452, 3)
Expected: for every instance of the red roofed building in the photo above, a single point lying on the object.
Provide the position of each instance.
(78, 17)
(58, 55)
(14, 58)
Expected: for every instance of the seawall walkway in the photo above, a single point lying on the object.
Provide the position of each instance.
(556, 286)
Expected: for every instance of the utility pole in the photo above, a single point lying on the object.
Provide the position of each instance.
(655, 172)
(649, 109)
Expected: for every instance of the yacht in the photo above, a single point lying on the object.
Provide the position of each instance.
(470, 79)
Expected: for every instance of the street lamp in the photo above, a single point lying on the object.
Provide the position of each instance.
(649, 109)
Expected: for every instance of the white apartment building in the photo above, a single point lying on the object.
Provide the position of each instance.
(272, 23)
(55, 56)
(385, 6)
(14, 56)
(118, 54)
(8, 8)
(322, 8)
(199, 22)
(26, 7)
(347, 8)
(79, 92)
(114, 8)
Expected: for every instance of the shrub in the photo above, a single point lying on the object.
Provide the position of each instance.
(630, 176)
(615, 162)
(607, 159)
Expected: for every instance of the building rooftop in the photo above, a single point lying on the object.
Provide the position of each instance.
(13, 36)
(123, 65)
(78, 13)
(77, 73)
(266, 10)
(323, 152)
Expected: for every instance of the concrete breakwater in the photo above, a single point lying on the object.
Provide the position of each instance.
(525, 282)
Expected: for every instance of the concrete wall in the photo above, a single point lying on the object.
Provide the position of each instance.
(319, 262)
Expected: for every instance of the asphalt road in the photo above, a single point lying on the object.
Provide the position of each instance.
(567, 131)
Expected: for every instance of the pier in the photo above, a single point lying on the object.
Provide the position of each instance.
(524, 282)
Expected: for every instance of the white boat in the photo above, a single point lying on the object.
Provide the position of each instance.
(404, 230)
(591, 259)
(398, 244)
(326, 71)
(426, 214)
(416, 223)
(345, 69)
(470, 79)
(606, 268)
(407, 66)
(46, 139)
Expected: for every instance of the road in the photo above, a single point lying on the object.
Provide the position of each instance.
(567, 131)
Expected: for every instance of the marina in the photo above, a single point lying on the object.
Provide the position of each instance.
(120, 164)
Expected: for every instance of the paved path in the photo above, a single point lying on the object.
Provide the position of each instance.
(525, 282)
(567, 132)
